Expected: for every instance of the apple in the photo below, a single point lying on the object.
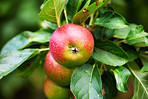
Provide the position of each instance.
(56, 72)
(71, 45)
(53, 91)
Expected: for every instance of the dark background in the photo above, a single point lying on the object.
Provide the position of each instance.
(21, 15)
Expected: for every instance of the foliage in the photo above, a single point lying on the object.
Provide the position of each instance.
(119, 46)
(87, 84)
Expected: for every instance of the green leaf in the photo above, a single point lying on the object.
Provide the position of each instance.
(121, 75)
(136, 34)
(136, 31)
(103, 33)
(131, 52)
(146, 40)
(72, 7)
(145, 68)
(52, 10)
(109, 53)
(9, 61)
(27, 39)
(29, 66)
(112, 20)
(86, 83)
(144, 59)
(86, 11)
(87, 2)
(109, 85)
(66, 1)
(140, 83)
(122, 33)
(46, 24)
(10, 85)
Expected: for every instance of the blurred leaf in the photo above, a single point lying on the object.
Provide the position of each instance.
(121, 75)
(28, 67)
(136, 34)
(144, 59)
(72, 7)
(9, 61)
(146, 40)
(109, 85)
(85, 12)
(27, 39)
(109, 53)
(52, 10)
(141, 44)
(86, 83)
(66, 1)
(145, 67)
(103, 33)
(105, 9)
(112, 20)
(140, 83)
(10, 85)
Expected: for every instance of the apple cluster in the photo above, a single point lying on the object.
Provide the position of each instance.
(70, 46)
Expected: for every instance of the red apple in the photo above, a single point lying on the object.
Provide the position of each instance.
(71, 45)
(56, 72)
(53, 91)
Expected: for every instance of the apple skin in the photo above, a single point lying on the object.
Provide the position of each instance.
(53, 91)
(71, 45)
(56, 72)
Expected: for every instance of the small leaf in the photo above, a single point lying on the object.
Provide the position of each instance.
(145, 68)
(144, 59)
(136, 34)
(146, 40)
(109, 53)
(140, 83)
(121, 75)
(27, 39)
(9, 61)
(86, 83)
(52, 10)
(112, 20)
(85, 12)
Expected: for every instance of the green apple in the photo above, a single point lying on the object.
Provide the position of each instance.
(53, 91)
(71, 45)
(56, 72)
